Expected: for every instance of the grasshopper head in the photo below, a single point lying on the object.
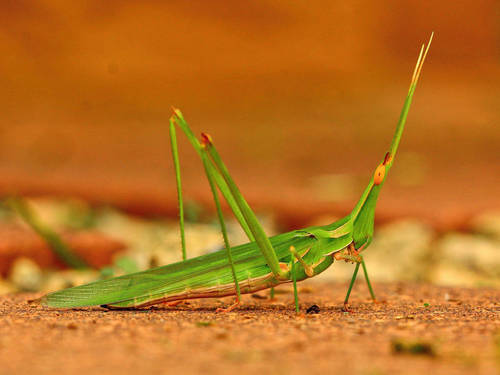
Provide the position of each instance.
(363, 215)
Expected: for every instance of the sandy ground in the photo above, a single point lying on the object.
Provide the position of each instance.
(458, 328)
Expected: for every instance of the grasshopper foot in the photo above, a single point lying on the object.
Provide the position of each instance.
(174, 303)
(346, 308)
(229, 308)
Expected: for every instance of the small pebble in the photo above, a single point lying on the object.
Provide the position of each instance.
(314, 309)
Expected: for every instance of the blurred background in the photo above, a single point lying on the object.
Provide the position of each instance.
(300, 98)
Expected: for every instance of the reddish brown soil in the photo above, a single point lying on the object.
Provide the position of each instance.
(460, 326)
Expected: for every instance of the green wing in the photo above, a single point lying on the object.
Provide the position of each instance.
(200, 272)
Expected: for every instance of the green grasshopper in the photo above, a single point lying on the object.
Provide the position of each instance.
(264, 262)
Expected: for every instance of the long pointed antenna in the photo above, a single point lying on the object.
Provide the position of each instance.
(383, 168)
(406, 107)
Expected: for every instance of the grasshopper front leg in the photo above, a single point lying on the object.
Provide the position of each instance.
(350, 254)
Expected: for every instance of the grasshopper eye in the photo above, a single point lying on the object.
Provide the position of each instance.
(378, 177)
